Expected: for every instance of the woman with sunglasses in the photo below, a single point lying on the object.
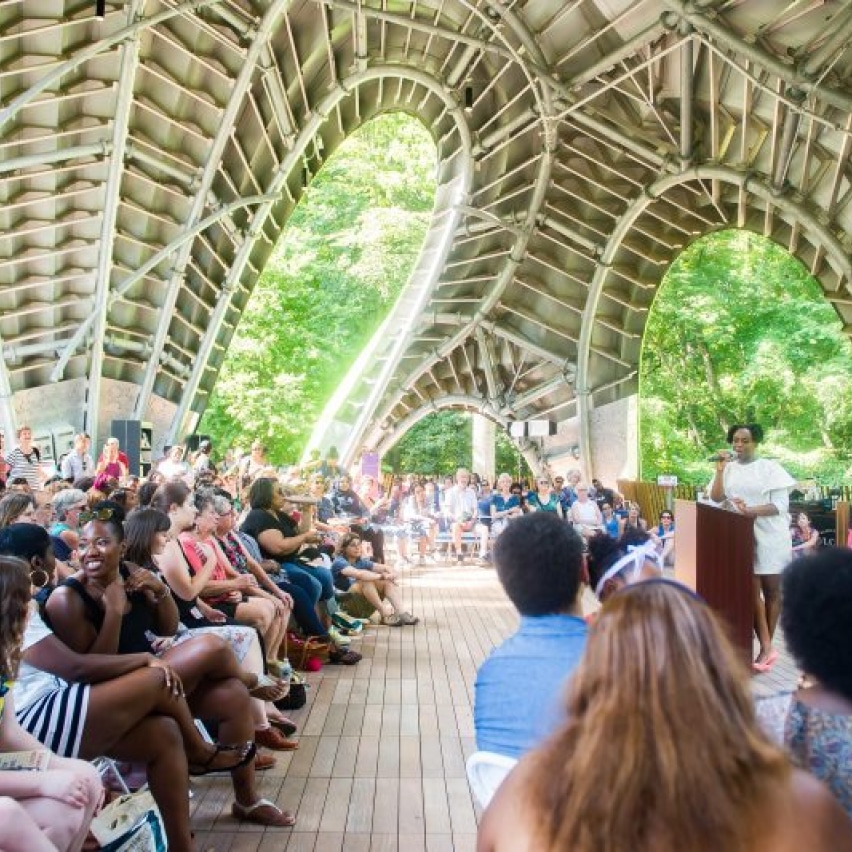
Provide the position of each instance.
(660, 750)
(544, 498)
(67, 506)
(664, 537)
(112, 607)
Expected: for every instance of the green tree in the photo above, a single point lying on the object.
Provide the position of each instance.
(347, 251)
(740, 330)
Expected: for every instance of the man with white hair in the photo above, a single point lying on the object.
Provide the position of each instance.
(461, 507)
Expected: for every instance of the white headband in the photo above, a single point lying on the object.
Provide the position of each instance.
(636, 555)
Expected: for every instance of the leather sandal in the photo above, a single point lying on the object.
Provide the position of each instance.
(264, 761)
(242, 754)
(263, 812)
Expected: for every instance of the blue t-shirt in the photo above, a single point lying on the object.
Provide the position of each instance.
(341, 581)
(484, 510)
(519, 691)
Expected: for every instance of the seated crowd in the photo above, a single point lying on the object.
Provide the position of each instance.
(131, 609)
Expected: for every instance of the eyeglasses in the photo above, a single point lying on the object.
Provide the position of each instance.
(99, 515)
(516, 493)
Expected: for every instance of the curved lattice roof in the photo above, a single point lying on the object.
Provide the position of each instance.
(150, 159)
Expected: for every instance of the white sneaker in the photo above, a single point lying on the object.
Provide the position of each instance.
(338, 638)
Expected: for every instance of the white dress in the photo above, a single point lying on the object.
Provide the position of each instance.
(756, 483)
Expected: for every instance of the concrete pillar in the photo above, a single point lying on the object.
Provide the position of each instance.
(484, 460)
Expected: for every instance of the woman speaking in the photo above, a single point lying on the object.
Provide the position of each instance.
(758, 488)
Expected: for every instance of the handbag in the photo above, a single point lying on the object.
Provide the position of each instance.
(297, 696)
(130, 823)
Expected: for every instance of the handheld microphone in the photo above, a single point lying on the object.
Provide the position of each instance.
(725, 455)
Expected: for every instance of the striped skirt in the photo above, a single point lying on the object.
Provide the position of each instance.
(57, 718)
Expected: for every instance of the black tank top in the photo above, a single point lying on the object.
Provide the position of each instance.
(134, 624)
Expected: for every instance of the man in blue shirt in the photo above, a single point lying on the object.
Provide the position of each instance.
(519, 696)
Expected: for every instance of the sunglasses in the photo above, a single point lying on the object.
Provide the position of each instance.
(99, 515)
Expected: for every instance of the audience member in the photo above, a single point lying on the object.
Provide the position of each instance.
(78, 462)
(461, 510)
(817, 623)
(613, 564)
(804, 536)
(24, 461)
(60, 799)
(517, 694)
(373, 581)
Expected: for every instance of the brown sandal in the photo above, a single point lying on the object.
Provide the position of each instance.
(263, 812)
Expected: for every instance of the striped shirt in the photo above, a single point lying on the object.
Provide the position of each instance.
(25, 465)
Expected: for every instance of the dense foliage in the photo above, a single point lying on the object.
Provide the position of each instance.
(740, 330)
(348, 249)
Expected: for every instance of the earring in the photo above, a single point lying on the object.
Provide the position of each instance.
(35, 583)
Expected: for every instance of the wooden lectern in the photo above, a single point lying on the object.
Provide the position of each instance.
(714, 555)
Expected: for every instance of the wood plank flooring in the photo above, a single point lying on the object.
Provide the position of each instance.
(383, 744)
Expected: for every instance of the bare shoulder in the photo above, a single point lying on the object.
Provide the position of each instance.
(811, 818)
(505, 825)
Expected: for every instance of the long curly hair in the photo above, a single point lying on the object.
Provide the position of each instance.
(15, 594)
(661, 751)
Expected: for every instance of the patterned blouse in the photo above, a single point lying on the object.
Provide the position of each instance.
(821, 742)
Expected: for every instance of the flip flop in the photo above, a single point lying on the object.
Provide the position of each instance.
(263, 812)
(269, 688)
(243, 753)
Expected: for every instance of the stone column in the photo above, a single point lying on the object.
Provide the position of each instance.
(484, 460)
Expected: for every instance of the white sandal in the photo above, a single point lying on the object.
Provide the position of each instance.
(249, 813)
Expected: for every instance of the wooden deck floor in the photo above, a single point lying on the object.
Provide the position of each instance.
(381, 763)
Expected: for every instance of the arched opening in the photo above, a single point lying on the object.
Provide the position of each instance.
(441, 442)
(344, 257)
(739, 329)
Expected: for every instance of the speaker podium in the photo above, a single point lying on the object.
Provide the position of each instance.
(714, 555)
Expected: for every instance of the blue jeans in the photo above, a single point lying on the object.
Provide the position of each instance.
(303, 607)
(319, 580)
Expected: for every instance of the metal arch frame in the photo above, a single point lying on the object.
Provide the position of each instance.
(213, 161)
(796, 76)
(344, 89)
(79, 336)
(10, 111)
(746, 181)
(112, 200)
(503, 280)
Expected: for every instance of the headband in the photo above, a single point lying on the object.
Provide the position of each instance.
(635, 556)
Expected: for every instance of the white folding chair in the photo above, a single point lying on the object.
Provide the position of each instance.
(485, 773)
